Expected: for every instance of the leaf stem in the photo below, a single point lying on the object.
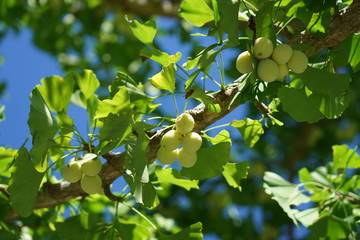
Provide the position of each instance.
(141, 215)
(219, 126)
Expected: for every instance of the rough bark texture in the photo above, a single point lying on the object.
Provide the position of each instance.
(343, 25)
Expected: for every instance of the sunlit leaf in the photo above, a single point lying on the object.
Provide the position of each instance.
(6, 157)
(344, 157)
(193, 232)
(24, 184)
(251, 130)
(173, 176)
(235, 172)
(210, 160)
(144, 32)
(2, 115)
(197, 12)
(120, 103)
(56, 92)
(160, 57)
(285, 194)
(165, 79)
(87, 82)
(43, 128)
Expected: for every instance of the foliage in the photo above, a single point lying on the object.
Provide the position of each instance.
(283, 142)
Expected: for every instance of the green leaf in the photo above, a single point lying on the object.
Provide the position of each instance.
(330, 107)
(319, 23)
(116, 126)
(318, 6)
(298, 105)
(6, 157)
(308, 216)
(43, 128)
(229, 11)
(191, 79)
(285, 194)
(197, 12)
(251, 130)
(264, 23)
(235, 172)
(24, 184)
(193, 232)
(56, 92)
(320, 81)
(160, 57)
(347, 52)
(2, 115)
(71, 229)
(133, 231)
(119, 104)
(173, 176)
(87, 82)
(210, 160)
(200, 95)
(144, 32)
(165, 79)
(344, 157)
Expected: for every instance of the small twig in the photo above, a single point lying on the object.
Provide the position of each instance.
(263, 109)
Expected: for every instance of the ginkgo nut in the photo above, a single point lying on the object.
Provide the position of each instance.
(192, 142)
(187, 159)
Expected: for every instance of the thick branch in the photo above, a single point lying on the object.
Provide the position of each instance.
(343, 25)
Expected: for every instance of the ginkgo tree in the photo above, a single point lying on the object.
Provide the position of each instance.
(63, 184)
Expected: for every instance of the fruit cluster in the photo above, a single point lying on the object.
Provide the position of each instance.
(86, 171)
(169, 149)
(273, 63)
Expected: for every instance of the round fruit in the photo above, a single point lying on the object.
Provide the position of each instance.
(282, 53)
(283, 72)
(268, 70)
(91, 184)
(187, 159)
(91, 167)
(263, 48)
(166, 156)
(298, 62)
(72, 172)
(184, 123)
(171, 140)
(243, 62)
(192, 142)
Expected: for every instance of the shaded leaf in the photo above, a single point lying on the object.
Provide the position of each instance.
(229, 11)
(193, 232)
(210, 160)
(43, 128)
(251, 130)
(173, 176)
(320, 81)
(197, 12)
(116, 127)
(24, 184)
(264, 23)
(330, 107)
(235, 172)
(298, 105)
(71, 229)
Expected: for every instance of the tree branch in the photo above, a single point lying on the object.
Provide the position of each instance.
(343, 25)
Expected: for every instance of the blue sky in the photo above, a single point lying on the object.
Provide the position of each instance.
(23, 67)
